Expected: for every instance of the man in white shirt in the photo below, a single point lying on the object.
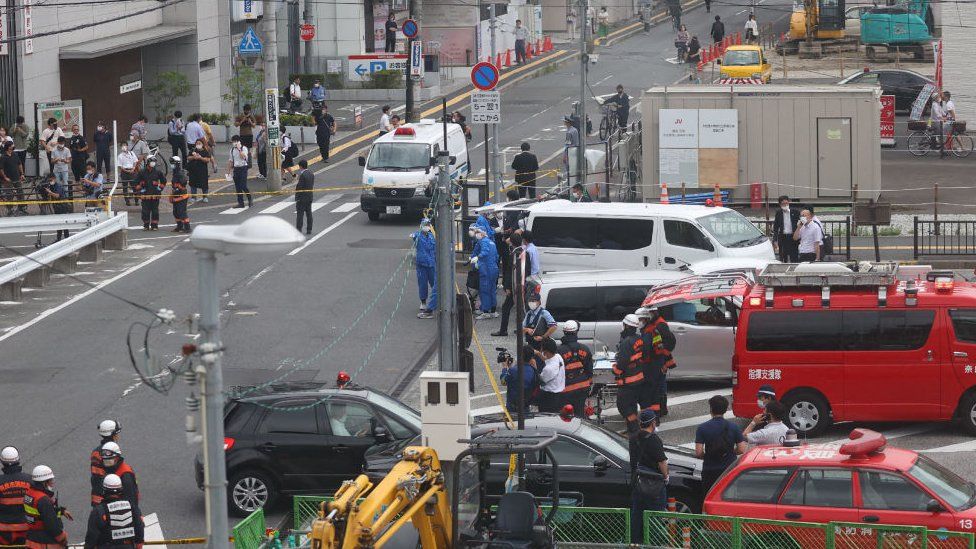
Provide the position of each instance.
(810, 234)
(552, 377)
(775, 430)
(521, 36)
(128, 163)
(238, 162)
(295, 95)
(385, 125)
(337, 420)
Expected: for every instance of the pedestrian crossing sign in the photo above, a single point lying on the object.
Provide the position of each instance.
(250, 44)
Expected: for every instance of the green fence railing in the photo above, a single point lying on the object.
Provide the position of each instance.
(249, 533)
(306, 508)
(599, 525)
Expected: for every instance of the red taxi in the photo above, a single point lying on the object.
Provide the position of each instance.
(848, 345)
(859, 481)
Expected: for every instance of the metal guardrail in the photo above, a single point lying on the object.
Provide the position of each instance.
(839, 229)
(46, 223)
(946, 238)
(249, 533)
(47, 255)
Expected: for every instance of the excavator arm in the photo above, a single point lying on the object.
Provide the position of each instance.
(366, 516)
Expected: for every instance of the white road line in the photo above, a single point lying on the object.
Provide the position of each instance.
(280, 206)
(152, 530)
(324, 201)
(326, 231)
(486, 395)
(17, 329)
(682, 399)
(952, 448)
(347, 207)
(232, 211)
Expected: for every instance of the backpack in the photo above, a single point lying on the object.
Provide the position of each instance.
(827, 247)
(720, 449)
(292, 149)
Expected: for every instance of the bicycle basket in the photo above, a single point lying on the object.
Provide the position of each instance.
(917, 125)
(959, 126)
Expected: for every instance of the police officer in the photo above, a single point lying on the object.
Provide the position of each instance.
(579, 368)
(109, 429)
(45, 528)
(649, 473)
(658, 342)
(765, 396)
(486, 261)
(14, 483)
(426, 263)
(115, 464)
(116, 523)
(629, 373)
(149, 187)
(180, 196)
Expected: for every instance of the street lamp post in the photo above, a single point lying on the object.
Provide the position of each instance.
(262, 233)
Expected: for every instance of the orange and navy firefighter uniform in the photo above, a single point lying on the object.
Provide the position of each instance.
(629, 374)
(149, 186)
(116, 523)
(579, 372)
(14, 483)
(45, 528)
(656, 359)
(130, 488)
(98, 471)
(179, 198)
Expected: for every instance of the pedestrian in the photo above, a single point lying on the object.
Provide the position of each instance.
(658, 343)
(629, 374)
(603, 19)
(580, 194)
(395, 122)
(810, 235)
(295, 94)
(460, 120)
(552, 377)
(571, 149)
(694, 50)
(513, 241)
(391, 32)
(14, 483)
(538, 324)
(197, 173)
(303, 196)
(578, 359)
(149, 186)
(128, 164)
(12, 176)
(681, 40)
(141, 126)
(245, 123)
(237, 165)
(717, 442)
(317, 95)
(708, 6)
(45, 528)
(109, 430)
(571, 16)
(752, 29)
(674, 9)
(649, 474)
(385, 125)
(4, 137)
(115, 464)
(486, 262)
(103, 140)
(261, 146)
(289, 151)
(139, 146)
(21, 133)
(325, 127)
(532, 257)
(622, 100)
(194, 131)
(179, 196)
(116, 523)
(92, 184)
(425, 260)
(718, 29)
(61, 162)
(785, 221)
(775, 430)
(591, 19)
(521, 37)
(509, 378)
(525, 164)
(52, 192)
(78, 147)
(764, 396)
(49, 139)
(211, 143)
(176, 134)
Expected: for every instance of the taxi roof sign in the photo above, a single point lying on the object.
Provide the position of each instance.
(863, 443)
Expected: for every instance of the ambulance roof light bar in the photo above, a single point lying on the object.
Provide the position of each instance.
(405, 132)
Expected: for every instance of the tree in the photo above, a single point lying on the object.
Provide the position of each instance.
(169, 87)
(246, 88)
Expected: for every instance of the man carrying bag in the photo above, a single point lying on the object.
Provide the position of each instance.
(649, 474)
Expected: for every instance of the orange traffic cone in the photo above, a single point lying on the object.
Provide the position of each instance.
(498, 60)
(718, 196)
(538, 46)
(508, 58)
(528, 50)
(664, 193)
(738, 39)
(547, 44)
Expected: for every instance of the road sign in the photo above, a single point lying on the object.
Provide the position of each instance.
(484, 76)
(273, 117)
(416, 59)
(410, 28)
(486, 107)
(307, 32)
(361, 66)
(250, 44)
(887, 120)
(247, 10)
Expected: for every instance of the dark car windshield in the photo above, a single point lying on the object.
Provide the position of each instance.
(397, 409)
(604, 440)
(944, 483)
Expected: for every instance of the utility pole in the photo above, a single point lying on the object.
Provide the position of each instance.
(416, 13)
(307, 17)
(584, 58)
(447, 360)
(271, 81)
(495, 165)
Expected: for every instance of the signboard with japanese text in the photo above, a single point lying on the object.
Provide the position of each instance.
(4, 47)
(417, 59)
(486, 107)
(361, 66)
(65, 113)
(921, 100)
(247, 10)
(678, 129)
(273, 116)
(28, 27)
(887, 120)
(718, 129)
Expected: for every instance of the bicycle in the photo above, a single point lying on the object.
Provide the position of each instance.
(610, 123)
(924, 139)
(162, 162)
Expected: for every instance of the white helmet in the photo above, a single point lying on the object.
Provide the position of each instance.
(109, 427)
(42, 473)
(571, 326)
(111, 447)
(632, 320)
(9, 455)
(112, 482)
(646, 312)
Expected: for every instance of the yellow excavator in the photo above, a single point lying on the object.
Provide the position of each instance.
(367, 516)
(821, 19)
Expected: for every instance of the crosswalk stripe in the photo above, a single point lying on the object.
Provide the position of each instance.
(347, 207)
(280, 206)
(232, 211)
(153, 531)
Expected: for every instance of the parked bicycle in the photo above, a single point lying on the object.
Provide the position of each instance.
(925, 137)
(610, 123)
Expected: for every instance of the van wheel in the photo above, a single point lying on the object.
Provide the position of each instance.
(807, 413)
(967, 412)
(373, 216)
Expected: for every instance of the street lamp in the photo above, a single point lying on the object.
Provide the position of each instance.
(260, 234)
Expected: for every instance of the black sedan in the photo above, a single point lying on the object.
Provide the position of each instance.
(903, 84)
(304, 439)
(592, 461)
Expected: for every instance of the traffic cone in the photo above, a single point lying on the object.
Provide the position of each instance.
(538, 46)
(664, 193)
(718, 196)
(508, 58)
(738, 39)
(686, 537)
(528, 51)
(547, 43)
(498, 61)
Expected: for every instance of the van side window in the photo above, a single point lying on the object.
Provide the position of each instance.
(964, 324)
(686, 235)
(794, 331)
(756, 486)
(624, 234)
(887, 330)
(564, 232)
(577, 304)
(619, 301)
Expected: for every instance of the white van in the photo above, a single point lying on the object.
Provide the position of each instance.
(399, 170)
(600, 235)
